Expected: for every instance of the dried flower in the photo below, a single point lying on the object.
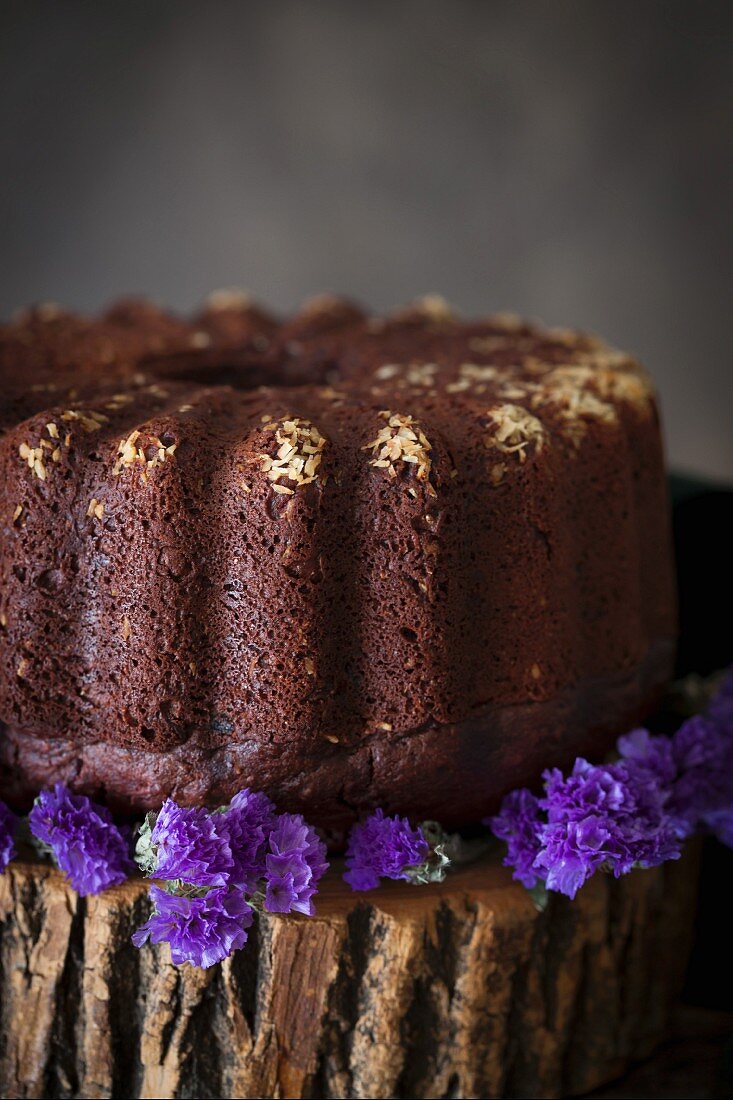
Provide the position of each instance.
(189, 846)
(8, 826)
(294, 865)
(518, 823)
(82, 838)
(383, 847)
(201, 931)
(246, 823)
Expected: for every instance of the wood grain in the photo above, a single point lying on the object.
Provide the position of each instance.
(456, 990)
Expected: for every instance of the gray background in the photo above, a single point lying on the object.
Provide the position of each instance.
(567, 160)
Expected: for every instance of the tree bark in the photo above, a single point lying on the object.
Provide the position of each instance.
(462, 989)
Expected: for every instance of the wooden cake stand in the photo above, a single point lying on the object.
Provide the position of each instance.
(462, 989)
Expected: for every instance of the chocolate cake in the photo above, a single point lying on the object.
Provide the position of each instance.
(349, 560)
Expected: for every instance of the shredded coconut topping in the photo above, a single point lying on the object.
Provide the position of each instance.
(89, 421)
(472, 376)
(118, 401)
(435, 307)
(200, 340)
(401, 440)
(298, 456)
(610, 383)
(575, 404)
(228, 298)
(516, 429)
(320, 303)
(130, 451)
(35, 458)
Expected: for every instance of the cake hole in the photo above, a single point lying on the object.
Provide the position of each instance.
(50, 580)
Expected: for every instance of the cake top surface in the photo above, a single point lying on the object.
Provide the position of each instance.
(137, 382)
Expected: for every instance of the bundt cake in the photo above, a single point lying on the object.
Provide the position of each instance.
(349, 560)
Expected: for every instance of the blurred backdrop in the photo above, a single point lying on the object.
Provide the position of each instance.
(568, 160)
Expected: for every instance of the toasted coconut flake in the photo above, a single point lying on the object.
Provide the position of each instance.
(318, 304)
(472, 376)
(496, 473)
(421, 375)
(506, 320)
(48, 311)
(200, 340)
(297, 459)
(157, 391)
(230, 297)
(52, 430)
(126, 631)
(565, 389)
(623, 381)
(96, 509)
(35, 458)
(130, 451)
(401, 440)
(516, 430)
(17, 513)
(434, 307)
(89, 421)
(118, 401)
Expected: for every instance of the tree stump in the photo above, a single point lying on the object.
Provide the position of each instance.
(462, 989)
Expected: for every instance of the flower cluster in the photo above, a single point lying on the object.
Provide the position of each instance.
(294, 863)
(220, 865)
(388, 847)
(8, 827)
(635, 812)
(82, 839)
(200, 930)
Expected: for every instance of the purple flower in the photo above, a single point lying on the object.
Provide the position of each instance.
(200, 930)
(189, 845)
(571, 852)
(382, 847)
(294, 865)
(84, 840)
(518, 823)
(613, 817)
(280, 893)
(703, 753)
(586, 789)
(8, 825)
(246, 823)
(720, 823)
(654, 754)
